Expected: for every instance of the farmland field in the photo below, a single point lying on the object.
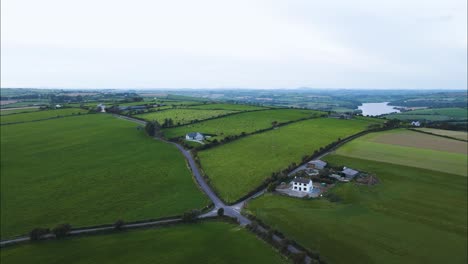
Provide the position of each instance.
(238, 167)
(39, 115)
(208, 242)
(236, 107)
(450, 133)
(426, 151)
(435, 114)
(244, 122)
(414, 216)
(183, 116)
(16, 111)
(88, 170)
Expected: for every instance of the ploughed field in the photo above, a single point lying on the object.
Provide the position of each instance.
(40, 115)
(238, 167)
(244, 122)
(207, 242)
(449, 133)
(183, 116)
(87, 170)
(411, 148)
(415, 215)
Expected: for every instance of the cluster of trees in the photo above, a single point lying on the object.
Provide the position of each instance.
(153, 129)
(168, 122)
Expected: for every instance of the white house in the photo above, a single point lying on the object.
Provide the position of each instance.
(302, 184)
(415, 123)
(194, 136)
(316, 164)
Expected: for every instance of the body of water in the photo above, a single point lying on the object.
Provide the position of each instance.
(374, 109)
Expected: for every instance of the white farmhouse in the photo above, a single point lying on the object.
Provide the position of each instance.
(415, 123)
(302, 184)
(194, 136)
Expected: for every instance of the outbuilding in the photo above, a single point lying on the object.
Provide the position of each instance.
(316, 164)
(349, 173)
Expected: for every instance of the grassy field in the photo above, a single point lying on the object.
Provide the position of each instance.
(244, 122)
(413, 216)
(39, 115)
(208, 242)
(184, 116)
(87, 170)
(426, 151)
(16, 111)
(436, 114)
(450, 133)
(236, 107)
(238, 167)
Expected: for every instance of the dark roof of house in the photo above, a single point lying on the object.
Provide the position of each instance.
(194, 134)
(318, 162)
(301, 180)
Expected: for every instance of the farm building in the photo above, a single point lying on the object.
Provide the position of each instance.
(349, 173)
(302, 184)
(194, 136)
(415, 123)
(316, 164)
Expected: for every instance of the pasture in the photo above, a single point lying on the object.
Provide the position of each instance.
(207, 242)
(8, 111)
(244, 122)
(87, 170)
(240, 166)
(433, 114)
(449, 133)
(235, 107)
(183, 116)
(413, 216)
(411, 148)
(40, 115)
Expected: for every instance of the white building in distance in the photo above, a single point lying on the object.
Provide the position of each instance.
(194, 136)
(302, 184)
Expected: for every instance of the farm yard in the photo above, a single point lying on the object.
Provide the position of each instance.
(40, 115)
(207, 242)
(183, 116)
(87, 170)
(414, 215)
(244, 122)
(238, 167)
(449, 133)
(426, 151)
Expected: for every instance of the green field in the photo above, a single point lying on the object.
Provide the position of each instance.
(238, 167)
(449, 133)
(413, 216)
(208, 242)
(244, 122)
(40, 115)
(87, 170)
(236, 107)
(183, 116)
(422, 156)
(435, 114)
(16, 111)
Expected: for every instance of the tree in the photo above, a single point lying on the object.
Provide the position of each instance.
(61, 230)
(190, 216)
(274, 123)
(38, 233)
(118, 225)
(271, 187)
(150, 129)
(221, 211)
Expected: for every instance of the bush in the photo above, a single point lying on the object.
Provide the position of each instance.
(298, 257)
(190, 216)
(118, 225)
(61, 230)
(38, 233)
(221, 211)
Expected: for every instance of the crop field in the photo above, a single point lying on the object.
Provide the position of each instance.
(425, 151)
(236, 107)
(243, 122)
(435, 114)
(208, 242)
(87, 170)
(184, 116)
(413, 216)
(25, 103)
(40, 115)
(16, 111)
(238, 167)
(450, 133)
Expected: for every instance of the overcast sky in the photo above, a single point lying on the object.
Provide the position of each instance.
(232, 44)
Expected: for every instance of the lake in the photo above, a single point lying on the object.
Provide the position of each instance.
(374, 109)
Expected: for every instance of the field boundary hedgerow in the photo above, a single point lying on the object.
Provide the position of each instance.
(439, 135)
